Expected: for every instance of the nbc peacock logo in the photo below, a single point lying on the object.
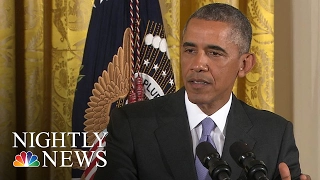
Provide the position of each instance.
(26, 159)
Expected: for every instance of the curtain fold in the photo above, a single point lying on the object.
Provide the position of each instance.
(172, 20)
(257, 88)
(41, 49)
(7, 87)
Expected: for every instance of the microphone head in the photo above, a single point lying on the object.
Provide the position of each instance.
(245, 158)
(204, 150)
(210, 158)
(238, 150)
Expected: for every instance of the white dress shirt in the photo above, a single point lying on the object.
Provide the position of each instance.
(195, 116)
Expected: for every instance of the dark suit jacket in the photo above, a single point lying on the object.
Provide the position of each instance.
(151, 140)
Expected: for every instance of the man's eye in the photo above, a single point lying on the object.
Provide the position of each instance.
(189, 50)
(214, 53)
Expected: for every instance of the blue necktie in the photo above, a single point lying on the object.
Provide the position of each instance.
(207, 126)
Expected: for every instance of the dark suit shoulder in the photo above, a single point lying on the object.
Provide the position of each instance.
(269, 135)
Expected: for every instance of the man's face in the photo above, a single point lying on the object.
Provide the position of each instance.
(210, 63)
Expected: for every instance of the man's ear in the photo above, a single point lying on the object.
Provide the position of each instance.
(248, 60)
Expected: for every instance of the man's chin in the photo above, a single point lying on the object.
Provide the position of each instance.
(197, 99)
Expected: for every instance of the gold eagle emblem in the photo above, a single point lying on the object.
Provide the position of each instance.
(112, 85)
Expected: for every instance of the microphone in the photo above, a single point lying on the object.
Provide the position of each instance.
(210, 158)
(245, 158)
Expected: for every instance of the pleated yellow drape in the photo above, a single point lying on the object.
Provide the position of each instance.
(42, 44)
(7, 88)
(41, 48)
(257, 88)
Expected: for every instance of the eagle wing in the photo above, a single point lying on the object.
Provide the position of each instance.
(112, 85)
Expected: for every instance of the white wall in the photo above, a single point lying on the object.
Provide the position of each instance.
(306, 83)
(306, 47)
(297, 70)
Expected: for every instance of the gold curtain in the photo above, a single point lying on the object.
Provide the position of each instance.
(42, 43)
(41, 47)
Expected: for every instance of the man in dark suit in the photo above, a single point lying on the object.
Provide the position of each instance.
(156, 139)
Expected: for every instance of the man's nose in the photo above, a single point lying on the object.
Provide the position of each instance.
(199, 63)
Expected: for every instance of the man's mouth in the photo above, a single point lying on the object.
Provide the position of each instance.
(199, 82)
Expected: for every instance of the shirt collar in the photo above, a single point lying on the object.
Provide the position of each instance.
(195, 115)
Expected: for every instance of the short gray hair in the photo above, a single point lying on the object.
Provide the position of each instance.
(241, 33)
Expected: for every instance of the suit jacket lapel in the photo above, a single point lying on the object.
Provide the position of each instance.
(174, 137)
(238, 125)
(174, 132)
